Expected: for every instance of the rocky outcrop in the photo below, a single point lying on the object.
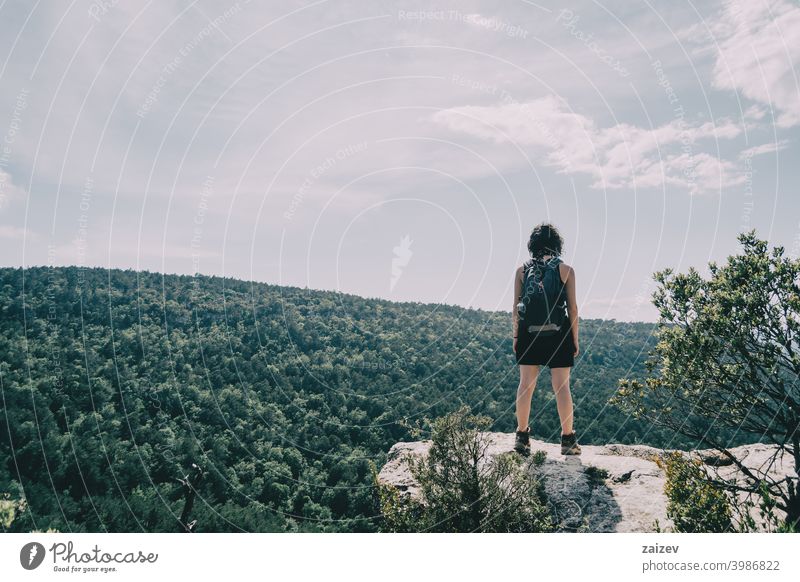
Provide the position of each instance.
(610, 488)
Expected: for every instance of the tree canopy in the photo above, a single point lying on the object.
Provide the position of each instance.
(727, 361)
(115, 382)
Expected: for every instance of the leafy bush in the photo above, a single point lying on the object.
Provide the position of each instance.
(597, 475)
(728, 358)
(9, 510)
(463, 489)
(771, 521)
(693, 505)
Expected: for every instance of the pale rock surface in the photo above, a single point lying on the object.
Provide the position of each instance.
(629, 499)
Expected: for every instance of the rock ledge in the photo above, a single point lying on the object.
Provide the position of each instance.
(630, 499)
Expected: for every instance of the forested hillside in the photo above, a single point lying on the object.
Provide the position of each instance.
(115, 382)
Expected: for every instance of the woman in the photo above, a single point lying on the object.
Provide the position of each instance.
(534, 349)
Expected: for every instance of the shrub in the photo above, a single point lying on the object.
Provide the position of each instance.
(463, 489)
(693, 504)
(728, 359)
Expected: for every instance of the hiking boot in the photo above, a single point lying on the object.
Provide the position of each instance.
(522, 445)
(569, 444)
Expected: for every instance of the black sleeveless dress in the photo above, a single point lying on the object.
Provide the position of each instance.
(555, 351)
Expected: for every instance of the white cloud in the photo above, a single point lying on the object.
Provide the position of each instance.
(622, 156)
(8, 190)
(756, 44)
(764, 148)
(754, 113)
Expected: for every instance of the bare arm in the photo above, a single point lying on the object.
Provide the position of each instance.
(517, 295)
(572, 305)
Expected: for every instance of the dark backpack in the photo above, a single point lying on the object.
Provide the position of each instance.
(542, 306)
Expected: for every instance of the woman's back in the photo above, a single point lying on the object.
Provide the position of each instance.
(542, 335)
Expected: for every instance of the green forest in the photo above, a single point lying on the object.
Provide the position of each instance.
(115, 382)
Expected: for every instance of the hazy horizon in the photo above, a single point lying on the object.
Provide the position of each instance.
(314, 289)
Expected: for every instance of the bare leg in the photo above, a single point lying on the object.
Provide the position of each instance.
(560, 377)
(527, 384)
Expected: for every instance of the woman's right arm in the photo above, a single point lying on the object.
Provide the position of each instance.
(572, 306)
(517, 295)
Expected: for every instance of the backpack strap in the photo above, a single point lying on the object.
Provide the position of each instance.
(546, 327)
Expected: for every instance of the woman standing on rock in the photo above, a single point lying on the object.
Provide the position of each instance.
(545, 328)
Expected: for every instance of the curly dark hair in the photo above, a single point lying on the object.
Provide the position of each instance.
(545, 240)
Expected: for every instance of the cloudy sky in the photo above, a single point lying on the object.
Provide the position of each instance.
(399, 149)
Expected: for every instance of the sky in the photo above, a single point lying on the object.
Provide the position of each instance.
(401, 150)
